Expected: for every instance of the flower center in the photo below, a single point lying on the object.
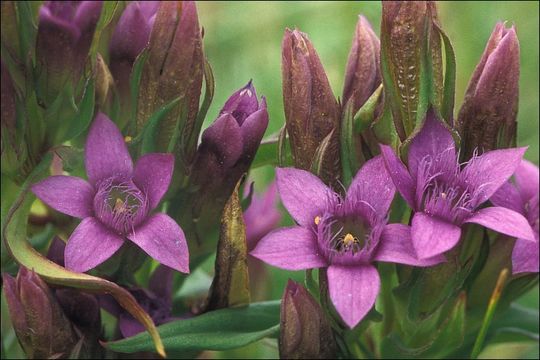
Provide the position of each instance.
(347, 239)
(440, 193)
(120, 205)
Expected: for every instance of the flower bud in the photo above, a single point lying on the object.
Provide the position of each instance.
(406, 44)
(13, 151)
(129, 39)
(39, 322)
(64, 36)
(311, 110)
(487, 119)
(305, 332)
(174, 68)
(363, 76)
(228, 146)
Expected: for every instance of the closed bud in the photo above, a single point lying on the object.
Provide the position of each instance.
(362, 77)
(311, 110)
(39, 322)
(487, 119)
(13, 151)
(64, 36)
(408, 39)
(228, 146)
(130, 37)
(305, 333)
(174, 68)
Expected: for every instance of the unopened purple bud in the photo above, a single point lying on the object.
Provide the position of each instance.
(487, 119)
(174, 68)
(363, 76)
(311, 110)
(130, 37)
(65, 33)
(39, 322)
(305, 332)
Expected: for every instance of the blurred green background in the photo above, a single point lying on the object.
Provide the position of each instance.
(243, 41)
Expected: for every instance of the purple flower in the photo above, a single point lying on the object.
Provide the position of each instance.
(65, 33)
(346, 235)
(444, 195)
(129, 38)
(262, 215)
(523, 198)
(156, 301)
(116, 202)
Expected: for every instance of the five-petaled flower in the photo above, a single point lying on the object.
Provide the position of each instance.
(523, 198)
(444, 195)
(116, 203)
(344, 234)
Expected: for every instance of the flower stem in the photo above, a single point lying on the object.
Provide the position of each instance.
(492, 306)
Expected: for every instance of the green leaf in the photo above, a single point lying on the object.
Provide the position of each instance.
(349, 143)
(366, 114)
(230, 286)
(82, 119)
(516, 322)
(320, 154)
(447, 110)
(269, 151)
(216, 330)
(107, 13)
(14, 234)
(134, 82)
(148, 133)
(191, 140)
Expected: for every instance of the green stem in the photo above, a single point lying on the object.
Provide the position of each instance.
(492, 306)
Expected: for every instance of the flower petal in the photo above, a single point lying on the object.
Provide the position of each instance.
(129, 326)
(161, 238)
(153, 173)
(508, 196)
(396, 247)
(292, 248)
(68, 194)
(525, 256)
(303, 194)
(373, 185)
(486, 173)
(527, 179)
(432, 236)
(106, 153)
(353, 291)
(504, 221)
(435, 141)
(399, 174)
(89, 245)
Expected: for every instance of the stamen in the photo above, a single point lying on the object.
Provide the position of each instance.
(317, 220)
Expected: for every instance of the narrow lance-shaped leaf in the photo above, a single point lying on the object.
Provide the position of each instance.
(14, 235)
(231, 280)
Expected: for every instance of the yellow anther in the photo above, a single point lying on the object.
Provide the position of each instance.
(119, 205)
(128, 139)
(348, 240)
(317, 220)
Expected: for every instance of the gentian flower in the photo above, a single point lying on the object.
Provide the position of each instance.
(130, 37)
(156, 301)
(522, 197)
(262, 215)
(64, 36)
(116, 203)
(445, 196)
(344, 234)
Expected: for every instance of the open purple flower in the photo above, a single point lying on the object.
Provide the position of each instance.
(116, 203)
(346, 235)
(523, 198)
(262, 215)
(156, 301)
(444, 196)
